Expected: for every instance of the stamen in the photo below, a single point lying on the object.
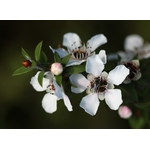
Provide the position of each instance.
(79, 52)
(134, 69)
(51, 88)
(98, 85)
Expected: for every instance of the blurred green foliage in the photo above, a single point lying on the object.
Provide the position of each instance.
(20, 104)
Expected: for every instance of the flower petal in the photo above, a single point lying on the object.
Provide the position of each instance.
(101, 96)
(113, 98)
(96, 41)
(61, 52)
(133, 42)
(136, 62)
(58, 91)
(80, 81)
(94, 65)
(104, 74)
(49, 75)
(90, 77)
(118, 75)
(127, 81)
(145, 53)
(112, 56)
(66, 100)
(75, 62)
(110, 86)
(90, 104)
(71, 38)
(34, 82)
(126, 56)
(49, 103)
(77, 90)
(102, 56)
(138, 76)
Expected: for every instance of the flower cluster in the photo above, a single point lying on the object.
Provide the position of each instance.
(80, 67)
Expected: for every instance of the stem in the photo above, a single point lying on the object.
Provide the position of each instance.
(41, 67)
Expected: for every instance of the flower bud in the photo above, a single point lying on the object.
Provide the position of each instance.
(56, 68)
(27, 63)
(124, 112)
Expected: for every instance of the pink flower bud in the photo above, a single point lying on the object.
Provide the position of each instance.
(56, 68)
(124, 112)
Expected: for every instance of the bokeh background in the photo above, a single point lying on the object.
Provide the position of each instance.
(20, 104)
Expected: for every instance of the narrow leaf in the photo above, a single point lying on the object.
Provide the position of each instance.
(58, 79)
(129, 89)
(143, 105)
(65, 59)
(38, 51)
(33, 64)
(40, 77)
(43, 57)
(74, 69)
(25, 55)
(57, 58)
(21, 70)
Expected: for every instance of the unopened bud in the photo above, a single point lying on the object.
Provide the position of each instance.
(27, 63)
(56, 68)
(124, 112)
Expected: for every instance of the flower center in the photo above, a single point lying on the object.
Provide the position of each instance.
(80, 55)
(51, 88)
(134, 69)
(79, 52)
(98, 85)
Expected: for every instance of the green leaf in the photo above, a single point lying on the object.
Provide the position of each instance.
(40, 77)
(21, 70)
(143, 105)
(74, 69)
(43, 57)
(65, 59)
(24, 53)
(137, 122)
(33, 64)
(129, 89)
(57, 58)
(38, 51)
(59, 79)
(133, 92)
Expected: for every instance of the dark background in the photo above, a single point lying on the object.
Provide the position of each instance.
(20, 104)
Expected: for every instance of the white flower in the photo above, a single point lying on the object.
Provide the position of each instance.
(124, 112)
(134, 45)
(54, 92)
(145, 52)
(79, 52)
(134, 71)
(99, 85)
